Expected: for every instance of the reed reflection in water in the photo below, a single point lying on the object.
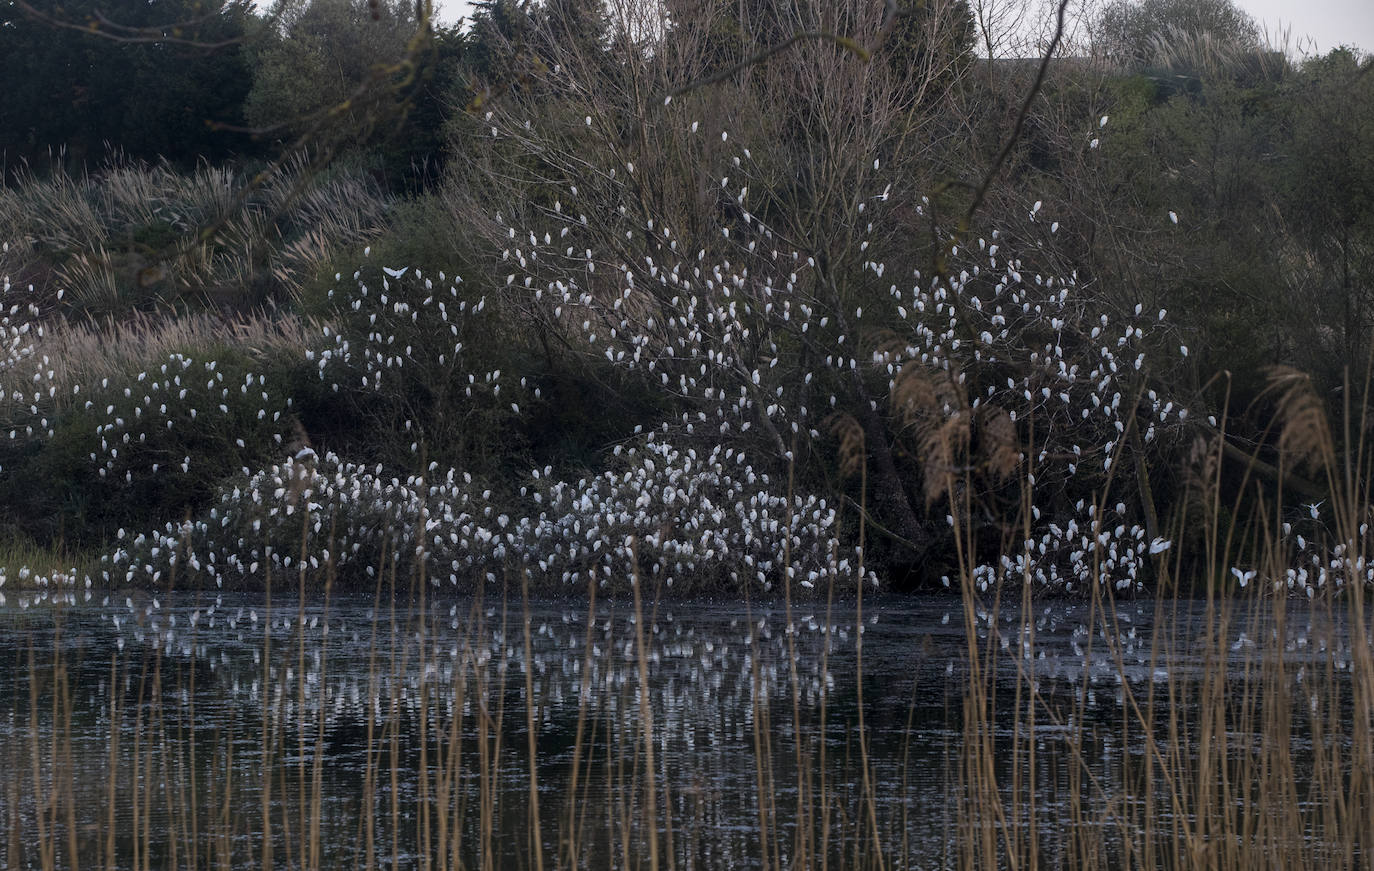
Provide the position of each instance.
(241, 731)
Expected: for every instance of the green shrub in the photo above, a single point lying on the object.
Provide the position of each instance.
(430, 362)
(147, 441)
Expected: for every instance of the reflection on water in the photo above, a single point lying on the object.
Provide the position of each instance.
(155, 728)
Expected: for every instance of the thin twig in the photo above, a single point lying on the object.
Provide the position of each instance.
(982, 190)
(800, 36)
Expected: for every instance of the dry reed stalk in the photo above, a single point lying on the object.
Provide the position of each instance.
(646, 716)
(802, 822)
(536, 833)
(869, 787)
(367, 818)
(316, 856)
(422, 636)
(574, 818)
(391, 731)
(450, 842)
(266, 722)
(186, 738)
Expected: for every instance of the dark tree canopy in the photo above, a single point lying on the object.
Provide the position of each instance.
(84, 93)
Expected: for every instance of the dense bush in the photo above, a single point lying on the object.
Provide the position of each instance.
(97, 440)
(438, 364)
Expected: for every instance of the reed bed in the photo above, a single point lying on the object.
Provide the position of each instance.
(1263, 760)
(467, 751)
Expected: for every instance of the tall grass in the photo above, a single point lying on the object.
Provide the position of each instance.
(130, 235)
(80, 355)
(25, 566)
(1266, 760)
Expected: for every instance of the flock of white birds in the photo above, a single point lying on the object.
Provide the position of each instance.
(756, 345)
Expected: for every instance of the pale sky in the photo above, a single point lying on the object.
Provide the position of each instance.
(1327, 23)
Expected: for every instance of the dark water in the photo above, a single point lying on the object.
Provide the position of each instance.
(215, 699)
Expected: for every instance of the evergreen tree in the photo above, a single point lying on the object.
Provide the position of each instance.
(154, 83)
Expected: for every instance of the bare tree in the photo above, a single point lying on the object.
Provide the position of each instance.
(720, 240)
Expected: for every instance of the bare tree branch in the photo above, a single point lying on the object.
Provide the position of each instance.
(759, 57)
(981, 192)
